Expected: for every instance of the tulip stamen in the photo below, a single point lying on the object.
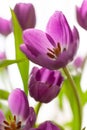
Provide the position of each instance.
(55, 52)
(12, 125)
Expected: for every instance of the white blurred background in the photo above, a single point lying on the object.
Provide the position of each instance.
(44, 9)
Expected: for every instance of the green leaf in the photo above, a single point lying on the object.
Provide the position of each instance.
(5, 63)
(6, 110)
(70, 95)
(23, 67)
(84, 128)
(67, 91)
(68, 124)
(60, 98)
(83, 95)
(4, 94)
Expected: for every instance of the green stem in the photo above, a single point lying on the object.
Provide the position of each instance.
(75, 91)
(37, 108)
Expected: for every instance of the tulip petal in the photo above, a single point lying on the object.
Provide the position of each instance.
(5, 26)
(31, 119)
(18, 103)
(78, 62)
(37, 40)
(59, 29)
(48, 125)
(2, 117)
(44, 84)
(25, 14)
(81, 20)
(81, 14)
(83, 8)
(41, 49)
(72, 49)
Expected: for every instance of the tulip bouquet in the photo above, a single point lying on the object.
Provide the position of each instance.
(56, 74)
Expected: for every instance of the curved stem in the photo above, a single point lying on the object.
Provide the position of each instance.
(74, 88)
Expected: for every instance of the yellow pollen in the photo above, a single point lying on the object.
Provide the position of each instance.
(55, 52)
(12, 125)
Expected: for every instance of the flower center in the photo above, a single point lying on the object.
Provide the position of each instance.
(54, 52)
(12, 125)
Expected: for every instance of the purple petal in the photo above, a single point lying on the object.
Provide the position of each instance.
(5, 26)
(45, 61)
(80, 19)
(25, 13)
(31, 119)
(37, 44)
(83, 8)
(18, 103)
(48, 125)
(37, 40)
(59, 29)
(81, 14)
(72, 49)
(44, 84)
(66, 56)
(2, 56)
(78, 62)
(2, 117)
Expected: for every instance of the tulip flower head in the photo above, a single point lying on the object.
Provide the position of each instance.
(78, 62)
(2, 56)
(81, 14)
(25, 14)
(5, 26)
(23, 115)
(54, 48)
(44, 84)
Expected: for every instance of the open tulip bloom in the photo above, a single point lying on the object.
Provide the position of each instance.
(23, 115)
(54, 48)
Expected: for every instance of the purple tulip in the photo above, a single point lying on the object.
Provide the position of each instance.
(81, 14)
(44, 84)
(47, 125)
(55, 48)
(23, 115)
(25, 14)
(5, 26)
(2, 56)
(78, 62)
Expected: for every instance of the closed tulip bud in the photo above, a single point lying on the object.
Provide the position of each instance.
(5, 26)
(25, 14)
(81, 14)
(44, 84)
